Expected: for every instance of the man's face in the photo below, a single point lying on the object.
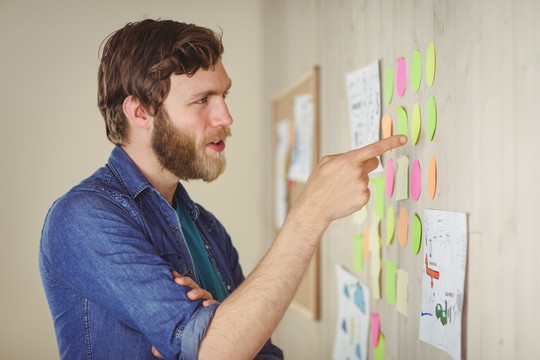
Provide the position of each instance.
(190, 131)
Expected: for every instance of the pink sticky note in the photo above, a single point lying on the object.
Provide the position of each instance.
(375, 329)
(389, 177)
(401, 79)
(416, 180)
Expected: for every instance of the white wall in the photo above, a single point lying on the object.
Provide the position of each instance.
(52, 135)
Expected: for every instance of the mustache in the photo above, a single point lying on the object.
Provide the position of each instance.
(220, 134)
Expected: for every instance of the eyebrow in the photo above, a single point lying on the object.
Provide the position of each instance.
(205, 93)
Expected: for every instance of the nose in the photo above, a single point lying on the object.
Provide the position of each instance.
(221, 117)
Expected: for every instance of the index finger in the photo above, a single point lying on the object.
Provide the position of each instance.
(379, 147)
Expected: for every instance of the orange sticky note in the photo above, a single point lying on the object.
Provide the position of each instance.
(403, 227)
(387, 127)
(432, 177)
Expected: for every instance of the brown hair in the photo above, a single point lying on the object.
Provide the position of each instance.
(139, 59)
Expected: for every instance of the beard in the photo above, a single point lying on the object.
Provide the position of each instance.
(182, 155)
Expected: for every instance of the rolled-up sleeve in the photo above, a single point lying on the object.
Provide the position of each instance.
(194, 331)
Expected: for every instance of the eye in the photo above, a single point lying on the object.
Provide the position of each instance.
(201, 101)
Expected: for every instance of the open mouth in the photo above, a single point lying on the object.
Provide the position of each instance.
(217, 145)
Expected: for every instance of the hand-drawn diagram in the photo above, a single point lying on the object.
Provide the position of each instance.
(364, 98)
(445, 252)
(351, 341)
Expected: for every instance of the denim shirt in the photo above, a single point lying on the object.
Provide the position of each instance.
(107, 250)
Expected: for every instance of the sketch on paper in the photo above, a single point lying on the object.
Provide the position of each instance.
(443, 279)
(351, 340)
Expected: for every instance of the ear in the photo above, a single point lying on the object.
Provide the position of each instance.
(136, 113)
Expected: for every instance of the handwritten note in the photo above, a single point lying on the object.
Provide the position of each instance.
(364, 93)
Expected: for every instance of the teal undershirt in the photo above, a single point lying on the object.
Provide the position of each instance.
(205, 273)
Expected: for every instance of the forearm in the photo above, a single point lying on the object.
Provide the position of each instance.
(337, 187)
(247, 318)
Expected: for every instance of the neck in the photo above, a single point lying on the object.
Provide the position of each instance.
(163, 180)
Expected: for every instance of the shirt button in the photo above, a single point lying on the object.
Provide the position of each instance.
(207, 247)
(175, 229)
(190, 272)
(229, 288)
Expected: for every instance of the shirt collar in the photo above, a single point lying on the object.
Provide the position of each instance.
(134, 182)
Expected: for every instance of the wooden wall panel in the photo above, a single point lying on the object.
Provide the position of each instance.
(486, 88)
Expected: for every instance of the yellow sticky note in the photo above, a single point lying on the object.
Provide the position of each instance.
(402, 295)
(379, 183)
(360, 216)
(358, 252)
(416, 124)
(402, 178)
(379, 350)
(390, 225)
(390, 282)
(430, 64)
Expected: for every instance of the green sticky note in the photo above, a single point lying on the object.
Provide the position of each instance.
(403, 121)
(389, 85)
(390, 225)
(416, 124)
(416, 234)
(358, 252)
(379, 183)
(391, 282)
(416, 71)
(379, 350)
(430, 65)
(431, 118)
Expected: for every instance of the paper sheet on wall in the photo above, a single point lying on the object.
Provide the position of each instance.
(282, 154)
(352, 330)
(443, 278)
(302, 156)
(364, 97)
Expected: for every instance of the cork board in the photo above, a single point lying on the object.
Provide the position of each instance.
(307, 298)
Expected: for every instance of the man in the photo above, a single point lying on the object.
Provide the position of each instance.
(112, 246)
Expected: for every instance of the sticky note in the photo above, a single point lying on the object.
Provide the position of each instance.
(387, 126)
(402, 178)
(379, 350)
(403, 227)
(431, 118)
(430, 65)
(390, 282)
(403, 121)
(358, 252)
(432, 177)
(416, 124)
(360, 216)
(366, 243)
(416, 180)
(375, 329)
(389, 177)
(416, 234)
(401, 79)
(390, 225)
(375, 258)
(379, 184)
(416, 70)
(388, 85)
(402, 292)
